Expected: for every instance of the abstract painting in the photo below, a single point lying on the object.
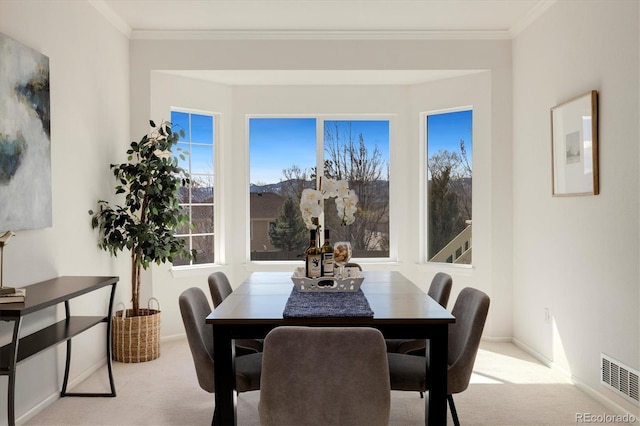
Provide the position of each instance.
(25, 140)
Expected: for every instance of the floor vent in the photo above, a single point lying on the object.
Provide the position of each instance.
(621, 378)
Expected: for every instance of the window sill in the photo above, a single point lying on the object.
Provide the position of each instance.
(195, 270)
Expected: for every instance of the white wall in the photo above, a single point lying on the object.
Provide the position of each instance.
(89, 80)
(487, 92)
(578, 256)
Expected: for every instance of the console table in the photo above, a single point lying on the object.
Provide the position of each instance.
(40, 296)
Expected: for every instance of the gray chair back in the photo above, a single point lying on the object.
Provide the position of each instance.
(219, 287)
(194, 308)
(408, 372)
(470, 310)
(324, 376)
(440, 288)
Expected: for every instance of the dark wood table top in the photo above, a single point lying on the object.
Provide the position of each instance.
(393, 298)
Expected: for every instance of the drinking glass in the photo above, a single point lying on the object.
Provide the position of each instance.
(341, 256)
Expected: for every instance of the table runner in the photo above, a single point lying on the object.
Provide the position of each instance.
(325, 304)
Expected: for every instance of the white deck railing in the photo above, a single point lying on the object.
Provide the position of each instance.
(458, 250)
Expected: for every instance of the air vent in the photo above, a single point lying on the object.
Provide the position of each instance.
(619, 377)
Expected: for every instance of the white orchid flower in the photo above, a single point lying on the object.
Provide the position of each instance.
(312, 202)
(330, 188)
(342, 188)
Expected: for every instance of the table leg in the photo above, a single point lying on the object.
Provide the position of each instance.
(436, 399)
(13, 363)
(224, 377)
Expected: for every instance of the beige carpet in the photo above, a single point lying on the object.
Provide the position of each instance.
(509, 387)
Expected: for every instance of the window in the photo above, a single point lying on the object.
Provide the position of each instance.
(198, 198)
(285, 157)
(449, 182)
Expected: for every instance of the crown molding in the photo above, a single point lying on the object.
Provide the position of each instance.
(112, 17)
(540, 8)
(318, 35)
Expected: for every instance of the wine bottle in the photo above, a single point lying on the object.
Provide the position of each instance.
(327, 255)
(313, 257)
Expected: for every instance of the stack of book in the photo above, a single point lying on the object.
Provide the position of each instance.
(17, 296)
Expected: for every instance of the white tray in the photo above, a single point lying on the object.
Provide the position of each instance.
(352, 281)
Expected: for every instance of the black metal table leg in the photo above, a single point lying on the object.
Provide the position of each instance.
(436, 398)
(67, 366)
(225, 377)
(13, 361)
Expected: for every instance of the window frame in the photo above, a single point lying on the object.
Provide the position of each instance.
(424, 174)
(320, 120)
(217, 214)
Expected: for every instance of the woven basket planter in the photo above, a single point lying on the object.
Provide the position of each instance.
(136, 339)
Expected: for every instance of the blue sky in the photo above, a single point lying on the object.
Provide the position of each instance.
(445, 130)
(280, 143)
(200, 133)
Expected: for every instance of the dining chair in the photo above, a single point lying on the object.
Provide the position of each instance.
(324, 376)
(439, 290)
(408, 372)
(194, 308)
(220, 288)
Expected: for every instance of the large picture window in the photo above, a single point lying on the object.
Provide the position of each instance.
(198, 198)
(288, 155)
(449, 183)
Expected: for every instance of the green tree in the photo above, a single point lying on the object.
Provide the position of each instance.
(445, 221)
(289, 232)
(146, 224)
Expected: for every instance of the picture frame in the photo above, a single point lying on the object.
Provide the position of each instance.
(574, 146)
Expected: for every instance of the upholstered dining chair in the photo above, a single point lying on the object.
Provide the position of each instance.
(407, 372)
(220, 288)
(324, 376)
(439, 290)
(194, 308)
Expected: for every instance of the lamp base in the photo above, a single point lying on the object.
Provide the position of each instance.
(7, 290)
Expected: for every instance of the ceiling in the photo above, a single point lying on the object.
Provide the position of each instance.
(321, 19)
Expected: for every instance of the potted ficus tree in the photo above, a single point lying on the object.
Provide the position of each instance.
(145, 225)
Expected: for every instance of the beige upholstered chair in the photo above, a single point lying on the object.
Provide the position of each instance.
(439, 290)
(407, 372)
(324, 376)
(220, 288)
(194, 308)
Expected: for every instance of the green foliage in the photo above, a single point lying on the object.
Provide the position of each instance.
(146, 224)
(449, 196)
(445, 221)
(290, 232)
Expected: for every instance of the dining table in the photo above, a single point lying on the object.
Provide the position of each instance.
(400, 310)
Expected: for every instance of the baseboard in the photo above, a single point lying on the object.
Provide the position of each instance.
(173, 337)
(496, 339)
(537, 355)
(599, 397)
(56, 395)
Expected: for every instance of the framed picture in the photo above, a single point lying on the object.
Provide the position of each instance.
(574, 146)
